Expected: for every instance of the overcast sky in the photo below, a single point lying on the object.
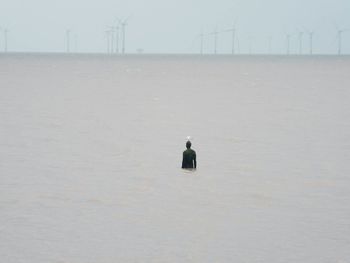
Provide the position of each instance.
(164, 26)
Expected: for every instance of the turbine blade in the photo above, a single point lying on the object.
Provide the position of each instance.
(127, 19)
(335, 25)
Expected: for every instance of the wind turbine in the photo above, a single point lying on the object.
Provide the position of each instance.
(75, 43)
(300, 37)
(111, 32)
(233, 39)
(202, 42)
(123, 24)
(339, 36)
(250, 39)
(215, 33)
(108, 38)
(233, 31)
(116, 29)
(288, 43)
(311, 40)
(311, 34)
(269, 44)
(117, 39)
(68, 31)
(5, 38)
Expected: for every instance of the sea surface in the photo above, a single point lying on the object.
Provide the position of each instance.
(91, 149)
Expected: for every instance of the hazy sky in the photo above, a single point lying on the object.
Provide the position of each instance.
(172, 26)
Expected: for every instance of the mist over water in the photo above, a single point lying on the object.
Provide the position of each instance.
(165, 26)
(91, 148)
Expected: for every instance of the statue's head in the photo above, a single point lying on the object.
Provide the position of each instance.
(188, 144)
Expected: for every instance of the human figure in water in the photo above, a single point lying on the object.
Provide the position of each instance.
(189, 157)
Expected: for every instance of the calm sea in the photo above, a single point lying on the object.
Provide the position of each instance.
(91, 148)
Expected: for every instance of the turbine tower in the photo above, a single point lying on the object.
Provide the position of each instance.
(117, 39)
(111, 30)
(68, 31)
(300, 36)
(202, 43)
(288, 44)
(123, 24)
(123, 37)
(108, 38)
(75, 43)
(5, 31)
(116, 28)
(250, 39)
(311, 40)
(233, 39)
(233, 31)
(269, 45)
(340, 39)
(215, 33)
